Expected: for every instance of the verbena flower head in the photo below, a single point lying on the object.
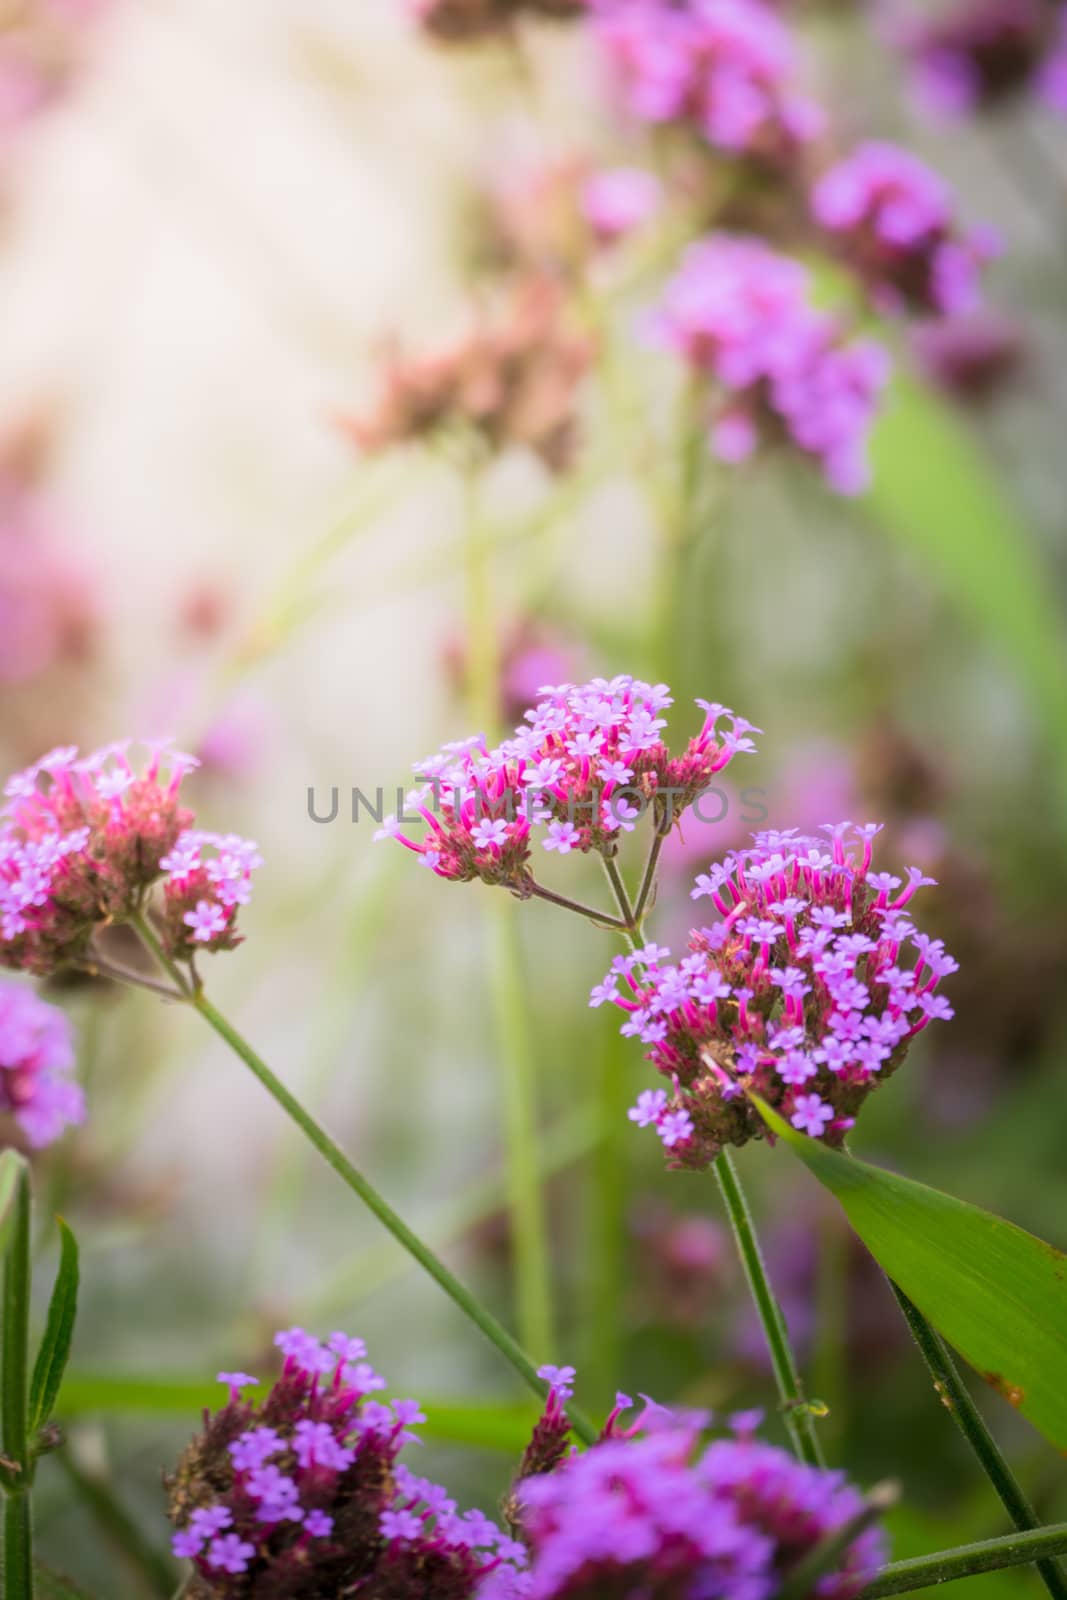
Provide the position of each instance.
(84, 838)
(513, 380)
(978, 54)
(783, 371)
(893, 219)
(807, 992)
(971, 358)
(651, 1511)
(580, 772)
(619, 199)
(302, 1494)
(726, 68)
(36, 1060)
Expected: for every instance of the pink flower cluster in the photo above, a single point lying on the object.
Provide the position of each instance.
(892, 218)
(741, 314)
(585, 766)
(806, 992)
(981, 53)
(727, 68)
(302, 1494)
(36, 1059)
(82, 841)
(208, 876)
(649, 1512)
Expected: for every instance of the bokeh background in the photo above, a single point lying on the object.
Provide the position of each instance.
(213, 220)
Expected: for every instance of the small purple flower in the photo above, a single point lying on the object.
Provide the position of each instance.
(811, 1115)
(230, 1553)
(207, 920)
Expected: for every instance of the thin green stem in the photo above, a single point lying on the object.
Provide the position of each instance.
(794, 1404)
(607, 1170)
(151, 939)
(648, 877)
(14, 1398)
(533, 1287)
(601, 918)
(619, 890)
(101, 967)
(956, 1398)
(968, 1560)
(335, 1157)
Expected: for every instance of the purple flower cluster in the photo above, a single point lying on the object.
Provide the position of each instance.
(726, 68)
(649, 1512)
(586, 764)
(82, 841)
(741, 314)
(806, 992)
(36, 1059)
(302, 1494)
(983, 52)
(892, 219)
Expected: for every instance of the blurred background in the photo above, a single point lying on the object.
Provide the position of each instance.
(218, 225)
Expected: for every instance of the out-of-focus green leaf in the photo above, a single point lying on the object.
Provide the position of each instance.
(11, 1164)
(935, 492)
(54, 1353)
(485, 1425)
(49, 1585)
(996, 1293)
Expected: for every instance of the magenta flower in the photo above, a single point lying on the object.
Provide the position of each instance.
(585, 766)
(725, 68)
(84, 840)
(36, 1060)
(892, 219)
(651, 1511)
(741, 315)
(807, 991)
(978, 54)
(303, 1493)
(618, 201)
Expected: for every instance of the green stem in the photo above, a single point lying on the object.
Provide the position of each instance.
(619, 890)
(601, 918)
(533, 1287)
(965, 1414)
(794, 1405)
(335, 1157)
(649, 877)
(607, 1220)
(14, 1397)
(968, 1560)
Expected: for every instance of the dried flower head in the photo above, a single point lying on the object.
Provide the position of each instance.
(806, 992)
(725, 68)
(741, 315)
(650, 1510)
(512, 381)
(585, 766)
(84, 839)
(463, 21)
(892, 219)
(36, 1060)
(301, 1494)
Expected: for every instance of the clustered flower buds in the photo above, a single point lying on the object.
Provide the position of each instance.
(36, 1059)
(82, 842)
(513, 380)
(302, 1494)
(741, 315)
(648, 1510)
(892, 219)
(584, 767)
(981, 53)
(461, 21)
(725, 68)
(806, 993)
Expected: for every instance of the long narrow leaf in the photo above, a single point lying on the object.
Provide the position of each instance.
(996, 1293)
(54, 1353)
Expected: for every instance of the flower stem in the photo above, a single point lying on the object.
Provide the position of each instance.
(619, 890)
(533, 1287)
(14, 1396)
(794, 1405)
(966, 1561)
(963, 1411)
(601, 918)
(335, 1157)
(649, 877)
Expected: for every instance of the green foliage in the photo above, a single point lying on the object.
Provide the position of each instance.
(54, 1352)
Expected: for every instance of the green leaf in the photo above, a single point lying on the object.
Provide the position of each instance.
(480, 1424)
(11, 1164)
(996, 1293)
(54, 1353)
(936, 493)
(49, 1585)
